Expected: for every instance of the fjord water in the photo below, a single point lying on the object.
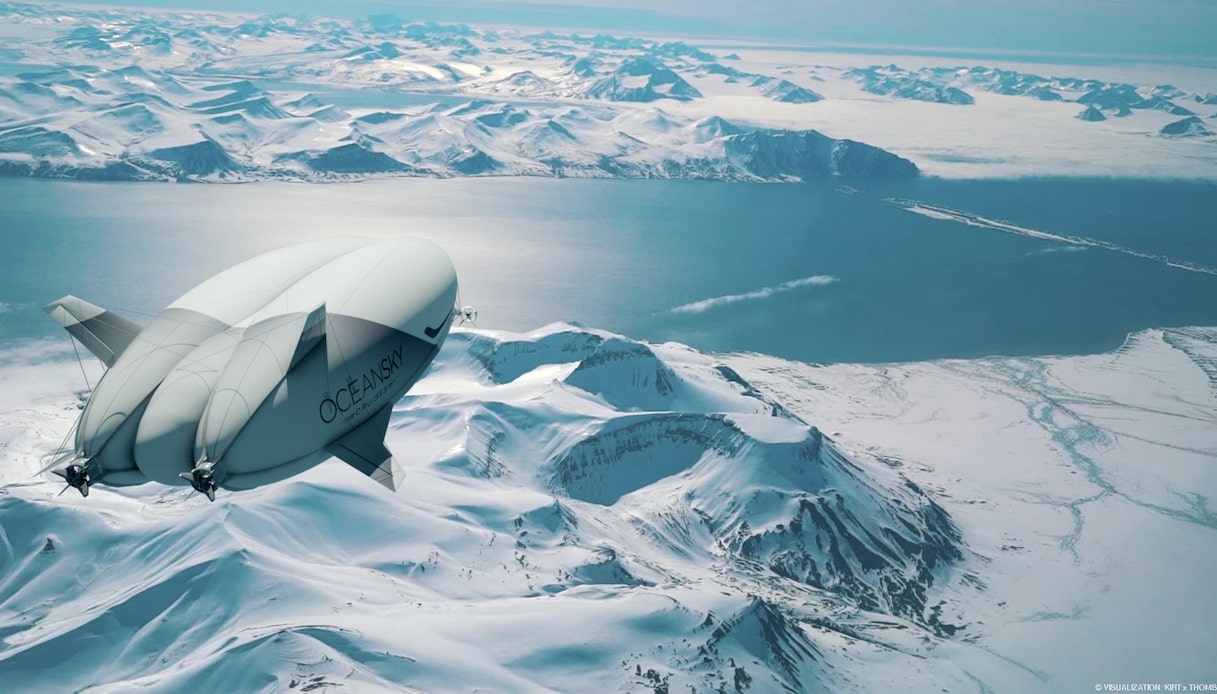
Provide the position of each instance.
(622, 254)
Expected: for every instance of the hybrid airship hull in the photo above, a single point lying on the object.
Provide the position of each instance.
(264, 370)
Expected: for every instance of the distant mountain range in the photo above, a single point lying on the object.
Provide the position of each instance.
(136, 124)
(125, 94)
(947, 85)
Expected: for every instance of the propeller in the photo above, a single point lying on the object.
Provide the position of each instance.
(469, 314)
(77, 476)
(202, 478)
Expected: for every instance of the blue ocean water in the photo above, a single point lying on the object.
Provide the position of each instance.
(622, 255)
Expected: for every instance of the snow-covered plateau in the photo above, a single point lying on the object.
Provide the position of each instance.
(588, 512)
(133, 94)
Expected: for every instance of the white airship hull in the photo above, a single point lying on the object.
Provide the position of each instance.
(266, 369)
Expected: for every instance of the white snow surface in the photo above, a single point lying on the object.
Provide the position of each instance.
(164, 94)
(583, 511)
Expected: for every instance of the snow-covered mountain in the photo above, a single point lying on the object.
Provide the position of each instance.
(588, 511)
(786, 91)
(136, 124)
(1091, 114)
(1186, 127)
(948, 85)
(222, 96)
(642, 79)
(569, 474)
(897, 82)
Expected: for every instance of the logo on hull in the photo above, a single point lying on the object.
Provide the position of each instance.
(432, 332)
(360, 391)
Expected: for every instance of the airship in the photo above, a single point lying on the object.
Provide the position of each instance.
(264, 370)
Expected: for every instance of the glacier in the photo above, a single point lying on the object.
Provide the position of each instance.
(586, 510)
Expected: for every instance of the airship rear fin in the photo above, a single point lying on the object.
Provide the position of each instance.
(311, 334)
(103, 333)
(364, 449)
(268, 350)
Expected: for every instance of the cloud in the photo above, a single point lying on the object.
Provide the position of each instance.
(41, 371)
(762, 293)
(7, 307)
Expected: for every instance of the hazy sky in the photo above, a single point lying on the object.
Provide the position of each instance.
(1150, 27)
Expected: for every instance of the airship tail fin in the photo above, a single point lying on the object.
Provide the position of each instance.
(312, 333)
(364, 449)
(103, 333)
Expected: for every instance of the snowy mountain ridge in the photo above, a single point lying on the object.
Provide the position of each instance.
(572, 474)
(583, 510)
(153, 97)
(123, 93)
(132, 124)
